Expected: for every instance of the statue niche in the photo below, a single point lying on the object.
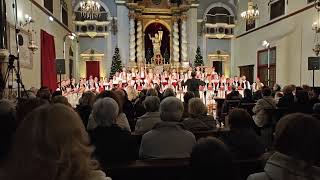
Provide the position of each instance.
(157, 38)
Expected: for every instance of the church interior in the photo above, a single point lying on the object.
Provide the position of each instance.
(163, 89)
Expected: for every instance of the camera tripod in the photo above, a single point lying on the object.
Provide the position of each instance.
(11, 71)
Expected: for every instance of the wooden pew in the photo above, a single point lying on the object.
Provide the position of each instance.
(173, 169)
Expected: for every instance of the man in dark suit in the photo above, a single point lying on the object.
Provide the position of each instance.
(193, 84)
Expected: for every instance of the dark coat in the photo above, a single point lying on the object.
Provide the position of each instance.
(199, 123)
(84, 112)
(286, 101)
(113, 144)
(244, 144)
(193, 85)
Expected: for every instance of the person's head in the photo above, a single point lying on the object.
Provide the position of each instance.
(276, 87)
(297, 135)
(151, 104)
(316, 108)
(233, 88)
(152, 92)
(105, 111)
(25, 106)
(240, 119)
(187, 96)
(87, 99)
(247, 93)
(168, 93)
(243, 78)
(112, 95)
(211, 159)
(44, 93)
(193, 74)
(56, 93)
(266, 91)
(288, 89)
(51, 143)
(196, 107)
(60, 100)
(302, 97)
(171, 109)
(7, 127)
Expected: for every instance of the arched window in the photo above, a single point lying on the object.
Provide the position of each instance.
(219, 15)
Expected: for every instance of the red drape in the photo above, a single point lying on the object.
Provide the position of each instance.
(93, 68)
(48, 61)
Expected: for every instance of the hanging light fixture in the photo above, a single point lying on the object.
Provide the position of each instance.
(90, 9)
(251, 14)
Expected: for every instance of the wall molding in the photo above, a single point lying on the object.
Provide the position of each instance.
(277, 20)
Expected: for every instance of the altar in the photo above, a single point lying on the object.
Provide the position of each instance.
(158, 34)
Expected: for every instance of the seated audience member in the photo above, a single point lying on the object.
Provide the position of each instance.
(138, 104)
(316, 111)
(152, 92)
(85, 106)
(242, 140)
(257, 95)
(234, 94)
(157, 88)
(211, 159)
(146, 122)
(112, 143)
(122, 120)
(316, 96)
(198, 119)
(7, 127)
(297, 138)
(25, 106)
(187, 96)
(261, 117)
(288, 98)
(302, 103)
(56, 93)
(168, 139)
(28, 94)
(127, 108)
(60, 100)
(275, 89)
(51, 143)
(168, 93)
(247, 96)
(44, 93)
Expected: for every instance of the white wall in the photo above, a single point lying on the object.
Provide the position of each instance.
(32, 77)
(293, 38)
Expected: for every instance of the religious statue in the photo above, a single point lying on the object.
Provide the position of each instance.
(156, 42)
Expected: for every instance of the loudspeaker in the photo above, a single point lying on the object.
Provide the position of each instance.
(60, 66)
(314, 63)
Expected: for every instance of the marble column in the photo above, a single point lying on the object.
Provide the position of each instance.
(176, 43)
(192, 31)
(132, 43)
(184, 42)
(123, 33)
(140, 58)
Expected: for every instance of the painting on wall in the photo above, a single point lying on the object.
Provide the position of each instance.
(26, 56)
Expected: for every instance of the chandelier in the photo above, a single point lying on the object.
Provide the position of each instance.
(90, 9)
(251, 14)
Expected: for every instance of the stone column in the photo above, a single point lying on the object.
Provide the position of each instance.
(123, 33)
(192, 31)
(132, 34)
(176, 48)
(184, 41)
(140, 58)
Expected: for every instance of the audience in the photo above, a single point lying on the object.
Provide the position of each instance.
(51, 143)
(242, 140)
(7, 127)
(25, 106)
(44, 93)
(297, 138)
(168, 139)
(112, 143)
(84, 107)
(152, 116)
(261, 117)
(316, 96)
(288, 98)
(247, 96)
(198, 119)
(169, 92)
(127, 108)
(60, 100)
(302, 103)
(211, 159)
(234, 94)
(187, 96)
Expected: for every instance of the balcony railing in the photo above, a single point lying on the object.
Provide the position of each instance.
(103, 17)
(220, 18)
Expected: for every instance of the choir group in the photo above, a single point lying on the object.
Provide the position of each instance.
(215, 84)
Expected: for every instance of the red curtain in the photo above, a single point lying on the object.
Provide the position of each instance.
(48, 61)
(93, 69)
